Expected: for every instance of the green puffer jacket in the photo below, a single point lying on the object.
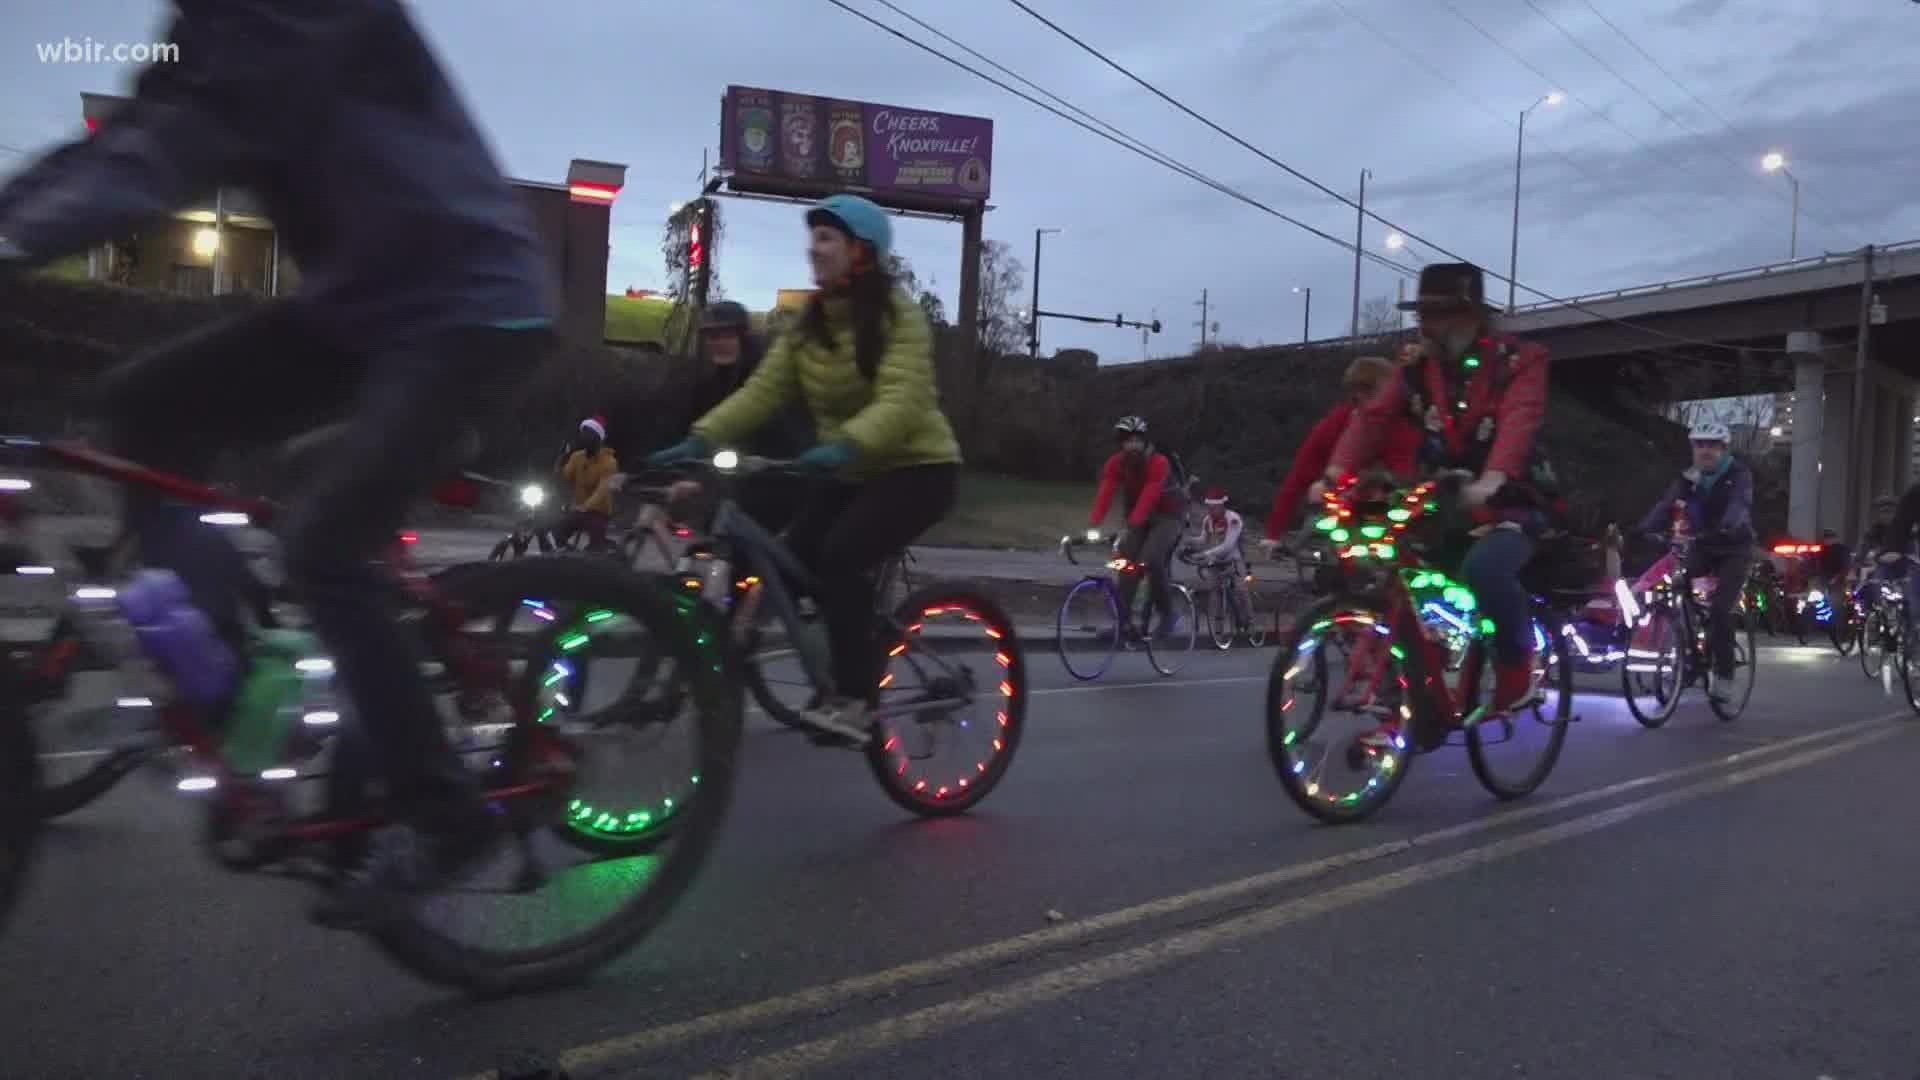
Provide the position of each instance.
(892, 421)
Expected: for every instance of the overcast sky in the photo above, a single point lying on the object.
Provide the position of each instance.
(1630, 181)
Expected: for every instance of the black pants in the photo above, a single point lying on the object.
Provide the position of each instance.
(1152, 548)
(271, 374)
(1731, 569)
(591, 522)
(843, 534)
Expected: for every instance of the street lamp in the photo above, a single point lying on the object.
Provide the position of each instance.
(1775, 161)
(1033, 316)
(1553, 97)
(1306, 317)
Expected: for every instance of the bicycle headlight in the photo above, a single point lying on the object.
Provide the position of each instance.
(532, 496)
(726, 461)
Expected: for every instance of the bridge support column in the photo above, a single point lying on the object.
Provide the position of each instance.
(1903, 440)
(1809, 435)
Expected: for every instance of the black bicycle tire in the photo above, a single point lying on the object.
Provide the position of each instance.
(19, 778)
(56, 801)
(1874, 615)
(1113, 637)
(1318, 809)
(1908, 683)
(1218, 616)
(756, 683)
(1659, 718)
(1730, 714)
(1150, 634)
(1557, 741)
(1014, 673)
(714, 679)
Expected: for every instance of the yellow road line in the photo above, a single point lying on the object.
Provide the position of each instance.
(1158, 953)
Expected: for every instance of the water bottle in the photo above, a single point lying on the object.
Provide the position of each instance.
(178, 636)
(719, 582)
(268, 709)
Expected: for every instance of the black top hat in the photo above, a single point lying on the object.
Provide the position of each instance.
(1448, 285)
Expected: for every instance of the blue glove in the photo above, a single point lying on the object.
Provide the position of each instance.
(691, 448)
(826, 458)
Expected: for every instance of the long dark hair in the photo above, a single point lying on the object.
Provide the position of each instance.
(870, 298)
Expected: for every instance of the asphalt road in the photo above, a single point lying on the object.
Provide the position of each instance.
(1137, 900)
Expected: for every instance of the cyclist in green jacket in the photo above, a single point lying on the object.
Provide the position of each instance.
(861, 358)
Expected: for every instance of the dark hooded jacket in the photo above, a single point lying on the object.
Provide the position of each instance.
(787, 435)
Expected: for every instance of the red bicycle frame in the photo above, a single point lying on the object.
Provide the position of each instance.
(469, 667)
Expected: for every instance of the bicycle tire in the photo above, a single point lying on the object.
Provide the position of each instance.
(763, 695)
(1286, 668)
(19, 783)
(1872, 628)
(1220, 621)
(1658, 717)
(1732, 711)
(1909, 681)
(1256, 626)
(1161, 651)
(691, 634)
(963, 792)
(1560, 671)
(1112, 636)
(54, 801)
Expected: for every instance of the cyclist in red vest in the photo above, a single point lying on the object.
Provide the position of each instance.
(1479, 398)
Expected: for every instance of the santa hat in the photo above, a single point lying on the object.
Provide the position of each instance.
(1216, 497)
(595, 424)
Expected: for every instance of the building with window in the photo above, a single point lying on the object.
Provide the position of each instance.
(227, 245)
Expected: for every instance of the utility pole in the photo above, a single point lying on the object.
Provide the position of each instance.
(1202, 305)
(1858, 485)
(1306, 316)
(1359, 245)
(1033, 317)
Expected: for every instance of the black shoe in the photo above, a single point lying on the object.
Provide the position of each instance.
(405, 861)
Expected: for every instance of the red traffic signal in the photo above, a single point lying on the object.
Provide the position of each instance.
(696, 251)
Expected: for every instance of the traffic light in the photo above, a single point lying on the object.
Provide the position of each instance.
(1156, 326)
(699, 255)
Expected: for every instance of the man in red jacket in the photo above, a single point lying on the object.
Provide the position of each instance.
(1361, 381)
(1479, 398)
(1156, 507)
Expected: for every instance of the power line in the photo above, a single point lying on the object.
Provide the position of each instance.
(1122, 141)
(1324, 189)
(1441, 74)
(1740, 136)
(1583, 102)
(1644, 96)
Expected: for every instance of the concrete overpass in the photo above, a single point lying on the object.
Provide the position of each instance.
(1853, 429)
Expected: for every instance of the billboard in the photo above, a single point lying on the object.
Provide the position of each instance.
(803, 145)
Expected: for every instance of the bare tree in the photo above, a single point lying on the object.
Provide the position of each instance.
(1379, 317)
(906, 278)
(1001, 278)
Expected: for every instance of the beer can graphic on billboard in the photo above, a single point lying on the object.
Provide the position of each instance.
(800, 142)
(973, 176)
(753, 121)
(846, 144)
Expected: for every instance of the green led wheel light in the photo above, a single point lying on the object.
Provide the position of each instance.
(625, 822)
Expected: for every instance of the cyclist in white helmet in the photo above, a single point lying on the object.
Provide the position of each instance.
(1717, 495)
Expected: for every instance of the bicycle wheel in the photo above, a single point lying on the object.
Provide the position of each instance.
(1746, 669)
(1168, 649)
(1844, 626)
(1873, 639)
(1655, 671)
(1338, 665)
(1254, 623)
(525, 920)
(19, 782)
(956, 664)
(1909, 677)
(777, 678)
(1220, 618)
(1534, 739)
(1087, 628)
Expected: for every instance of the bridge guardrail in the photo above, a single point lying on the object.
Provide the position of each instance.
(1812, 262)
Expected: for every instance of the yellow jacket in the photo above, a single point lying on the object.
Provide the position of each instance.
(893, 421)
(589, 476)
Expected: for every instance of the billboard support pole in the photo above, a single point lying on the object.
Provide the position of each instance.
(972, 230)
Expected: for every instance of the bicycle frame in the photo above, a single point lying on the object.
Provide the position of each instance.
(177, 718)
(773, 566)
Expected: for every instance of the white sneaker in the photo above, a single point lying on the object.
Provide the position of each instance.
(841, 717)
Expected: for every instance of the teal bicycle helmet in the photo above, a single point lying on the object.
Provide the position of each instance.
(858, 218)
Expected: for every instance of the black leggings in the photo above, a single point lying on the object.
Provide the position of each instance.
(843, 534)
(269, 375)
